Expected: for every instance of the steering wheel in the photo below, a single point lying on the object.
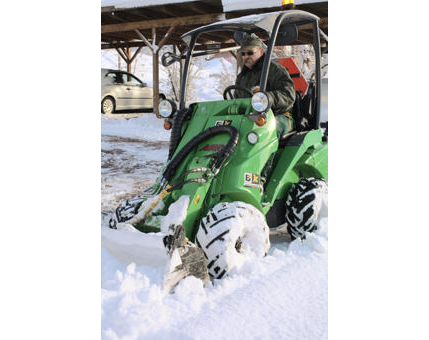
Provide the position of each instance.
(228, 91)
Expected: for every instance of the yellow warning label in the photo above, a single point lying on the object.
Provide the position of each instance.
(251, 180)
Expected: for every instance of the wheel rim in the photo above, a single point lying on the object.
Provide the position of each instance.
(107, 106)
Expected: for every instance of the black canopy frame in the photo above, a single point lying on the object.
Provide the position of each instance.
(275, 25)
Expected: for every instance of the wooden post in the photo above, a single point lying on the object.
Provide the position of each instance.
(125, 53)
(128, 54)
(155, 62)
(155, 73)
(155, 83)
(135, 54)
(123, 56)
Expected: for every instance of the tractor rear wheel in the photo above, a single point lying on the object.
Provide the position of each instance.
(231, 234)
(303, 204)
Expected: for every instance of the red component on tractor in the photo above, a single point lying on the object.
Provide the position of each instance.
(301, 85)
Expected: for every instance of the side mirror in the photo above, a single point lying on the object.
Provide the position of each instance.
(169, 58)
(239, 36)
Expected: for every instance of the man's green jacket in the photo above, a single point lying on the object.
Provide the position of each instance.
(280, 87)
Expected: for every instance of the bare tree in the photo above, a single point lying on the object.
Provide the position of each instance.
(170, 83)
(194, 79)
(225, 77)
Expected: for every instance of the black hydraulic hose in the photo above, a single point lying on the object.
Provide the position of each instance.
(218, 157)
(193, 180)
(177, 130)
(186, 173)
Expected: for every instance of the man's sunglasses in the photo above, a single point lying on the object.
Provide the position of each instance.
(247, 53)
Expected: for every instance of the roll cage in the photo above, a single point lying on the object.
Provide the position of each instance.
(281, 28)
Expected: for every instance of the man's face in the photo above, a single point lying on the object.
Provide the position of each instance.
(250, 57)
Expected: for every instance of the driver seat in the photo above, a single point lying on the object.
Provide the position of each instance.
(303, 119)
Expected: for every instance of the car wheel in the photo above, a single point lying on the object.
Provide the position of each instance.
(108, 105)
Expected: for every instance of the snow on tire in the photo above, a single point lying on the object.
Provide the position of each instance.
(230, 235)
(303, 205)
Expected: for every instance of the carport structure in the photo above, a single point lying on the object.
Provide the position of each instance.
(154, 23)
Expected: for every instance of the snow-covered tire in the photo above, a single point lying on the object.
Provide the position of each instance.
(230, 235)
(303, 205)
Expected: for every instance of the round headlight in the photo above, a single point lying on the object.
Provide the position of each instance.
(260, 102)
(166, 108)
(252, 138)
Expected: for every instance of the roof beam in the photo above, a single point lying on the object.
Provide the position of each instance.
(210, 46)
(107, 9)
(190, 20)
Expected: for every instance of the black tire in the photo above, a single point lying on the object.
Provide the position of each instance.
(303, 204)
(161, 96)
(230, 234)
(108, 105)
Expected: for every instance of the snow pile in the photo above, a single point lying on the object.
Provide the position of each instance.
(176, 213)
(126, 243)
(281, 296)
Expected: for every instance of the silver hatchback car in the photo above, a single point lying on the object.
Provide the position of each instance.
(123, 91)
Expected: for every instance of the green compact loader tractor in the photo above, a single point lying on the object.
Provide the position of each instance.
(211, 208)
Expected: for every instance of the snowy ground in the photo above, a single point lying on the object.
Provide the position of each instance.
(132, 153)
(282, 296)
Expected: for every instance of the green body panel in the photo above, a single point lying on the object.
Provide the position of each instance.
(314, 162)
(293, 162)
(239, 177)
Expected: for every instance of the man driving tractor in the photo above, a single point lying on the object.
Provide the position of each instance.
(280, 87)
